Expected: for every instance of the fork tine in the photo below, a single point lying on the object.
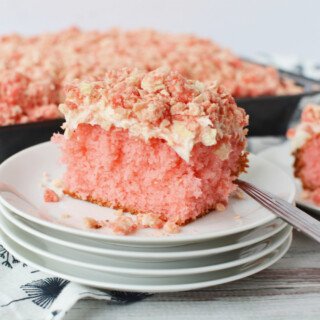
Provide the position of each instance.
(283, 209)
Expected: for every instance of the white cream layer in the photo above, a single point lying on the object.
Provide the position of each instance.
(302, 134)
(176, 134)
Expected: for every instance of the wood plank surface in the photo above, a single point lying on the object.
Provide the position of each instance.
(290, 289)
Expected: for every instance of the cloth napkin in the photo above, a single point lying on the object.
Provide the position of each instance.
(29, 294)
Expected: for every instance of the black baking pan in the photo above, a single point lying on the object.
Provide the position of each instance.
(269, 115)
(20, 136)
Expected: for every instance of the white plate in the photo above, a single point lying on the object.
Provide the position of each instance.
(281, 156)
(105, 280)
(21, 172)
(158, 269)
(193, 250)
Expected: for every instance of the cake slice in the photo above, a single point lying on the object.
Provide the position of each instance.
(306, 151)
(152, 143)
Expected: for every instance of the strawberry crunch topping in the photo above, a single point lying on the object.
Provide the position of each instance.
(159, 104)
(34, 70)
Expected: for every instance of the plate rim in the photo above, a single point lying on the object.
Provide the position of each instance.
(286, 145)
(156, 288)
(117, 253)
(148, 271)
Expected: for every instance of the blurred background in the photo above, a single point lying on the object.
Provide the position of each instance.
(287, 28)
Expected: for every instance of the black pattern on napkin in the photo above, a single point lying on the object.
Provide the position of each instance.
(43, 292)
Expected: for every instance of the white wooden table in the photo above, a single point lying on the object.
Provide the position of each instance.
(290, 289)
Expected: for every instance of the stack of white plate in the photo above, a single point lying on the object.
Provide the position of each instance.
(218, 248)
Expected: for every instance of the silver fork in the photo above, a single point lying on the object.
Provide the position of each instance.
(294, 216)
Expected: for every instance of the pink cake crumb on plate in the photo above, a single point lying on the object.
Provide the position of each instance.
(171, 227)
(152, 143)
(90, 223)
(123, 225)
(149, 220)
(50, 196)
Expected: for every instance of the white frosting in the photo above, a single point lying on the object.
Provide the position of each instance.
(302, 134)
(177, 135)
(158, 104)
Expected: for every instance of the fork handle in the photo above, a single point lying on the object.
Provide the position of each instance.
(291, 214)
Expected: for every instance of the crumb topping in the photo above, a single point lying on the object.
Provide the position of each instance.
(34, 70)
(157, 104)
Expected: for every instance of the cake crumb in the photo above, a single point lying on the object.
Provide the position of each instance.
(316, 196)
(158, 233)
(32, 212)
(123, 225)
(40, 184)
(118, 212)
(171, 227)
(64, 216)
(45, 176)
(236, 217)
(291, 133)
(305, 194)
(220, 207)
(90, 223)
(57, 183)
(239, 194)
(50, 196)
(149, 220)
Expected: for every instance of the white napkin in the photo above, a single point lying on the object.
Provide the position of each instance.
(29, 294)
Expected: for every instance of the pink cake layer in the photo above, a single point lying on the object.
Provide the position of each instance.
(113, 169)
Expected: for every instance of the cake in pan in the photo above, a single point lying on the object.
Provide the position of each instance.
(34, 70)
